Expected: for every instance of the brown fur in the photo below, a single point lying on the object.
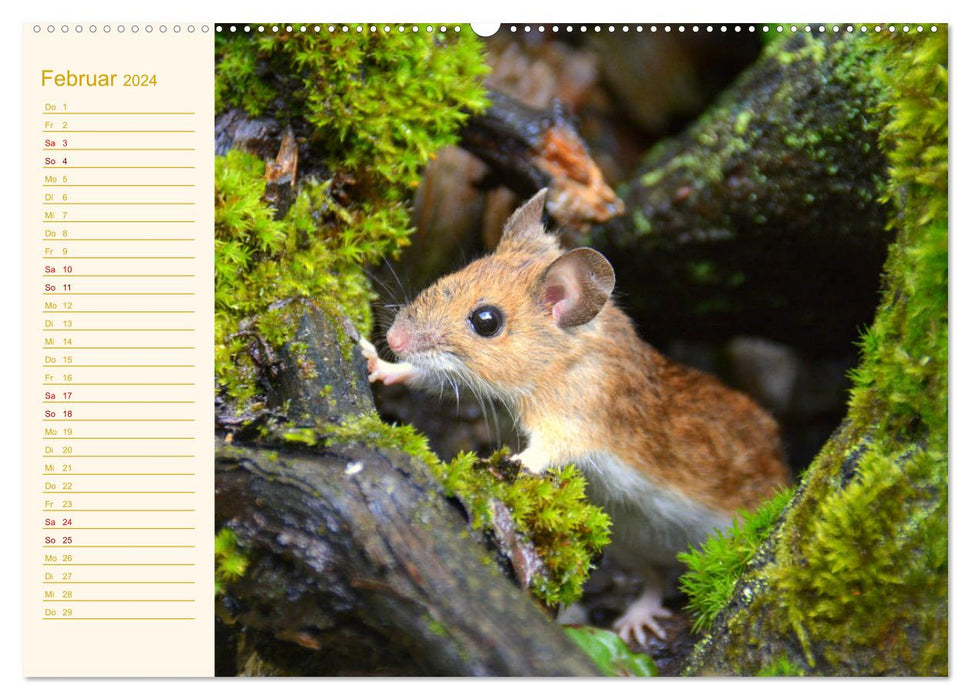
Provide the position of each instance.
(596, 386)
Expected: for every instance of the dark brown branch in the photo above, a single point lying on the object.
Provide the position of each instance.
(528, 149)
(357, 558)
(358, 562)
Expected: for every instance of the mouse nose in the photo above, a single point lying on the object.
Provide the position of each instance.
(398, 339)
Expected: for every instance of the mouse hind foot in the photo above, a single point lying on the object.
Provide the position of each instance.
(643, 614)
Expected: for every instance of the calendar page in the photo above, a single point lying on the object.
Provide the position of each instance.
(520, 349)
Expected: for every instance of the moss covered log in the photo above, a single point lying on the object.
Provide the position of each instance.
(341, 549)
(854, 579)
(767, 204)
(357, 565)
(364, 113)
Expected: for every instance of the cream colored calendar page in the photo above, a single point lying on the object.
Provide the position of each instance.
(117, 349)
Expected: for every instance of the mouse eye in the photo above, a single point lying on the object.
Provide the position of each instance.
(486, 321)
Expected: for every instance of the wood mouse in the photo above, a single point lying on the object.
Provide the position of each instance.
(669, 452)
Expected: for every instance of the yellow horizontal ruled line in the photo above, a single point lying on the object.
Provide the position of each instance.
(126, 311)
(129, 456)
(119, 619)
(123, 492)
(118, 546)
(121, 347)
(118, 131)
(73, 527)
(117, 204)
(118, 167)
(120, 564)
(56, 114)
(118, 510)
(69, 583)
(108, 366)
(49, 474)
(109, 184)
(73, 275)
(118, 402)
(115, 437)
(65, 474)
(71, 148)
(118, 257)
(118, 330)
(119, 420)
(123, 240)
(55, 366)
(117, 221)
(118, 600)
(117, 384)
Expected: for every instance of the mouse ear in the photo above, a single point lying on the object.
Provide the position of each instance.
(526, 223)
(576, 286)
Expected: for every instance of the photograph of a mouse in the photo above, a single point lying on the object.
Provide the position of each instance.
(670, 452)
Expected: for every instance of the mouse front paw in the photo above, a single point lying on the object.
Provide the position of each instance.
(641, 616)
(532, 459)
(386, 372)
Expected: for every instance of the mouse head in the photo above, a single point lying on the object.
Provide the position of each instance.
(497, 323)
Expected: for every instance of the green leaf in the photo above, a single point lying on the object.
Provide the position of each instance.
(610, 653)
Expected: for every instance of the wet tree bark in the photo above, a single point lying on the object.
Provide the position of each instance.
(372, 571)
(358, 562)
(768, 203)
(528, 149)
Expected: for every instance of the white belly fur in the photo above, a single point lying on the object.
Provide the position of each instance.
(650, 524)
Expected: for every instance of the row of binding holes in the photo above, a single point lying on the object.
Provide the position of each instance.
(681, 28)
(667, 28)
(401, 28)
(121, 29)
(333, 28)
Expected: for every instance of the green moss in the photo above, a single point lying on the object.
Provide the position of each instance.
(873, 565)
(551, 511)
(855, 578)
(732, 128)
(370, 111)
(714, 568)
(782, 666)
(312, 251)
(384, 102)
(435, 627)
(742, 120)
(231, 560)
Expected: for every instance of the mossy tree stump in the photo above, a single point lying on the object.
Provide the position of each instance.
(854, 579)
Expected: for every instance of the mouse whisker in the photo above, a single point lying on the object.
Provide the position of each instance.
(387, 290)
(401, 287)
